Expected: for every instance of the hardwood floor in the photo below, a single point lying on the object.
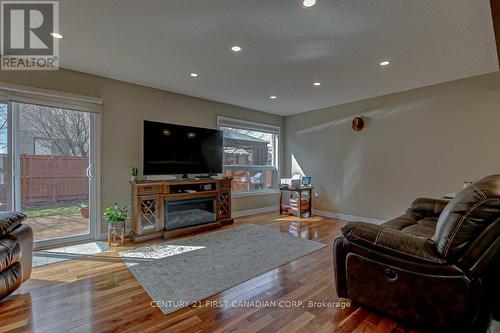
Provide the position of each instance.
(99, 294)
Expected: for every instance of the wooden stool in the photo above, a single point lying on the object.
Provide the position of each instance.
(116, 229)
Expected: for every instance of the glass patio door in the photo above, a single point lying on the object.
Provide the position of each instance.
(53, 162)
(5, 161)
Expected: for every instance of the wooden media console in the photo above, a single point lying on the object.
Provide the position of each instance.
(171, 208)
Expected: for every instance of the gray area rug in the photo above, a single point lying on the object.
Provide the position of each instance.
(78, 251)
(178, 273)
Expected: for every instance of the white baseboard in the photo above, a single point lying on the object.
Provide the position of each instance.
(346, 217)
(324, 213)
(254, 211)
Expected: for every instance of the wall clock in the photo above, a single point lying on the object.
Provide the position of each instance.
(358, 123)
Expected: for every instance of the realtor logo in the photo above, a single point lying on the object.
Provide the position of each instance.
(26, 41)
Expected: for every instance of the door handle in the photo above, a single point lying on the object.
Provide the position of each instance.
(90, 172)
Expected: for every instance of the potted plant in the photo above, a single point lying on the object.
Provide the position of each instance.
(115, 214)
(134, 171)
(84, 210)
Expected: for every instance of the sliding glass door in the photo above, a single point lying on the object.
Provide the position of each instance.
(5, 169)
(48, 170)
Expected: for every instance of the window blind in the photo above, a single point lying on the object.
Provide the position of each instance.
(244, 124)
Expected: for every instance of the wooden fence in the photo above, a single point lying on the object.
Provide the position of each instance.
(53, 178)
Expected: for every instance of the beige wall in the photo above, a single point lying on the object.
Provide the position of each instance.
(423, 142)
(125, 107)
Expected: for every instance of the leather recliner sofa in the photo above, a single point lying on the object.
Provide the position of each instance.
(436, 267)
(16, 252)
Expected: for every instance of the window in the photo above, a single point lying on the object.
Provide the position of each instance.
(5, 183)
(250, 154)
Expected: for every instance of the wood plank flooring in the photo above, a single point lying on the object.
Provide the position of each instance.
(99, 294)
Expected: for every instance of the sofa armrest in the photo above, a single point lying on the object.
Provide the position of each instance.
(9, 221)
(427, 207)
(392, 241)
(24, 235)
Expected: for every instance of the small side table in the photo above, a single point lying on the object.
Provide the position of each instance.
(116, 229)
(299, 191)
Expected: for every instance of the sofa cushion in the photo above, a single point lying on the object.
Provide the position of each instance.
(10, 252)
(426, 207)
(412, 224)
(467, 215)
(392, 241)
(9, 221)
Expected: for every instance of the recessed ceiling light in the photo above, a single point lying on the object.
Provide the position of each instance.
(236, 48)
(385, 63)
(317, 84)
(308, 3)
(194, 75)
(273, 97)
(56, 35)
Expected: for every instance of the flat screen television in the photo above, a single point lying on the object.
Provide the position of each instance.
(175, 149)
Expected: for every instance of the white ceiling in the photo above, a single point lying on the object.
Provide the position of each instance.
(285, 47)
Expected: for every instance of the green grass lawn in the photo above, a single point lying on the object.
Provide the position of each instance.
(67, 210)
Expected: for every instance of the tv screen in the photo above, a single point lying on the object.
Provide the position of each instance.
(176, 149)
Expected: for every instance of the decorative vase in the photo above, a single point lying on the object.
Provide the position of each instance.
(116, 229)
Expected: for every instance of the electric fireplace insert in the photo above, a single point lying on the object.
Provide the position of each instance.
(189, 212)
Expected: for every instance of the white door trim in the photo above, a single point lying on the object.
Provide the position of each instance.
(95, 158)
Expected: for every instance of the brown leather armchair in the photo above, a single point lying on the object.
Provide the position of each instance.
(16, 252)
(436, 267)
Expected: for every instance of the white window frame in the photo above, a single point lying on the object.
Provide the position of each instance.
(250, 125)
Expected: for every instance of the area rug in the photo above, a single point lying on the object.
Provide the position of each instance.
(179, 273)
(78, 251)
